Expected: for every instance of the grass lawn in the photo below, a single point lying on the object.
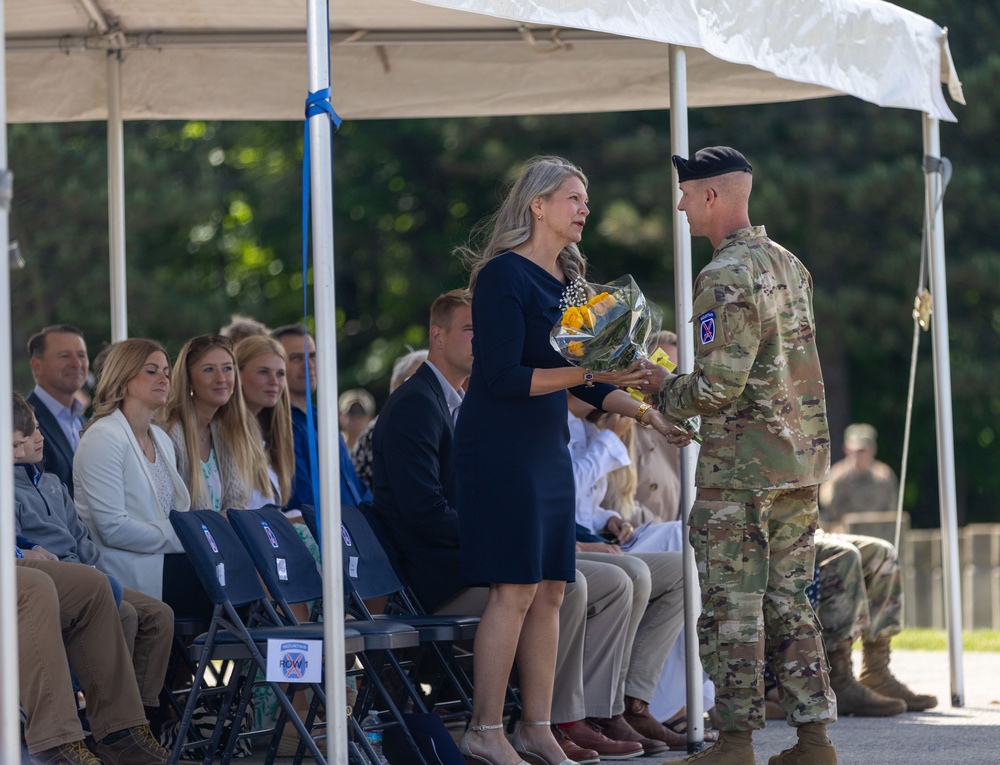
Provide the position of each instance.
(937, 640)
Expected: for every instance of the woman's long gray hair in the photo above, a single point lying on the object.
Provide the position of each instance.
(511, 225)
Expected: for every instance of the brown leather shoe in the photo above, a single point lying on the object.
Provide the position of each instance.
(617, 729)
(637, 715)
(587, 735)
(572, 751)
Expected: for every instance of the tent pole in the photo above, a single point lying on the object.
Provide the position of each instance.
(10, 714)
(116, 198)
(321, 193)
(934, 222)
(683, 286)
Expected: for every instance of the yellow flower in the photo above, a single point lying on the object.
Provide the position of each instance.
(572, 318)
(575, 347)
(597, 299)
(588, 318)
(604, 303)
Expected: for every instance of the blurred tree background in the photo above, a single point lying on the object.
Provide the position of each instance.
(213, 227)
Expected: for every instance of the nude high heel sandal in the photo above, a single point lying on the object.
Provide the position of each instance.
(534, 757)
(467, 753)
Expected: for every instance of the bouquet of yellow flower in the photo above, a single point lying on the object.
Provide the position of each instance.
(604, 327)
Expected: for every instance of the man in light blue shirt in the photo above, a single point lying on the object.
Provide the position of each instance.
(60, 365)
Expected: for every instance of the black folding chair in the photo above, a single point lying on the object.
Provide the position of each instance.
(369, 573)
(375, 573)
(291, 576)
(230, 579)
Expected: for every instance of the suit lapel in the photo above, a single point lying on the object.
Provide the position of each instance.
(435, 385)
(53, 431)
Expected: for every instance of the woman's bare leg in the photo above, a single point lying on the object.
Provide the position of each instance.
(492, 658)
(536, 664)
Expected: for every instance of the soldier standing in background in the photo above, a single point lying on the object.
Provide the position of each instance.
(859, 483)
(758, 386)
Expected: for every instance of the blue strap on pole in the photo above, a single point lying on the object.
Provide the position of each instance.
(317, 103)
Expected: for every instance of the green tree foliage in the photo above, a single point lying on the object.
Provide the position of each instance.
(213, 227)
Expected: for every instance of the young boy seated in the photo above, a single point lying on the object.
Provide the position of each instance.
(67, 610)
(44, 513)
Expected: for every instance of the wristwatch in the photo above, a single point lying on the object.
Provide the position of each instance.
(640, 412)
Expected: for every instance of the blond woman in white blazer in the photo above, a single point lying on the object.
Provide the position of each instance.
(124, 473)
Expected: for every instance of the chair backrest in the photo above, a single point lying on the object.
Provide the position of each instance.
(282, 558)
(368, 511)
(220, 560)
(309, 516)
(367, 568)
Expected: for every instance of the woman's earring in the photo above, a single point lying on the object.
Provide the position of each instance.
(191, 392)
(539, 216)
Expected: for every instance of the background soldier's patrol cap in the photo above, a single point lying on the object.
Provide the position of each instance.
(710, 162)
(860, 436)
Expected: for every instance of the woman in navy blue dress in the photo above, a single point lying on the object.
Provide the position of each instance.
(515, 476)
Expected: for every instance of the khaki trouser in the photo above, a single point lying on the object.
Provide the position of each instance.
(148, 625)
(591, 638)
(57, 601)
(656, 616)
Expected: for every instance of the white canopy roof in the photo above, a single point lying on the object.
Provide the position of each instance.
(400, 58)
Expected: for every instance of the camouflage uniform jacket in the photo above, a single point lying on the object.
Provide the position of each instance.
(757, 381)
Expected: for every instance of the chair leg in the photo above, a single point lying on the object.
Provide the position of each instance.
(185, 722)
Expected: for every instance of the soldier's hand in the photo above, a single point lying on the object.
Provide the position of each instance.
(657, 374)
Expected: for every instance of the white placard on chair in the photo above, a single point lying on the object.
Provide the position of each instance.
(294, 661)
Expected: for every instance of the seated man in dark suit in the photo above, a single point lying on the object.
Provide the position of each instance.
(413, 474)
(60, 365)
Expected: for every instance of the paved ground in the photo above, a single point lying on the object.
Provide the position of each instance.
(968, 735)
(947, 735)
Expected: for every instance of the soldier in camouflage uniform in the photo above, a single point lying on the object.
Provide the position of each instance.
(859, 483)
(758, 387)
(847, 564)
(861, 588)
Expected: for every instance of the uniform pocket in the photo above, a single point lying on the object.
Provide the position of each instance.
(718, 535)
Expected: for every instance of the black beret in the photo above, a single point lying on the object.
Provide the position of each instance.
(709, 162)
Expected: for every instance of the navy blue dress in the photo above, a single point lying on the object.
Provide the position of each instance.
(516, 498)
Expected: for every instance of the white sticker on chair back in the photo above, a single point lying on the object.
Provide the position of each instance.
(294, 661)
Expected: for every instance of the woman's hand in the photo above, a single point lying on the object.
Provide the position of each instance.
(633, 377)
(620, 528)
(598, 547)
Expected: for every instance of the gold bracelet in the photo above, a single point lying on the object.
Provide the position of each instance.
(643, 408)
(588, 378)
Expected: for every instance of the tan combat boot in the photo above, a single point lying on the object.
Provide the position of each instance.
(853, 698)
(733, 748)
(813, 748)
(876, 675)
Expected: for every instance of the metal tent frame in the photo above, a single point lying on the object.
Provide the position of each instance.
(131, 60)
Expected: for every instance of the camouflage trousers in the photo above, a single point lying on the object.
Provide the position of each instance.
(755, 556)
(860, 588)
